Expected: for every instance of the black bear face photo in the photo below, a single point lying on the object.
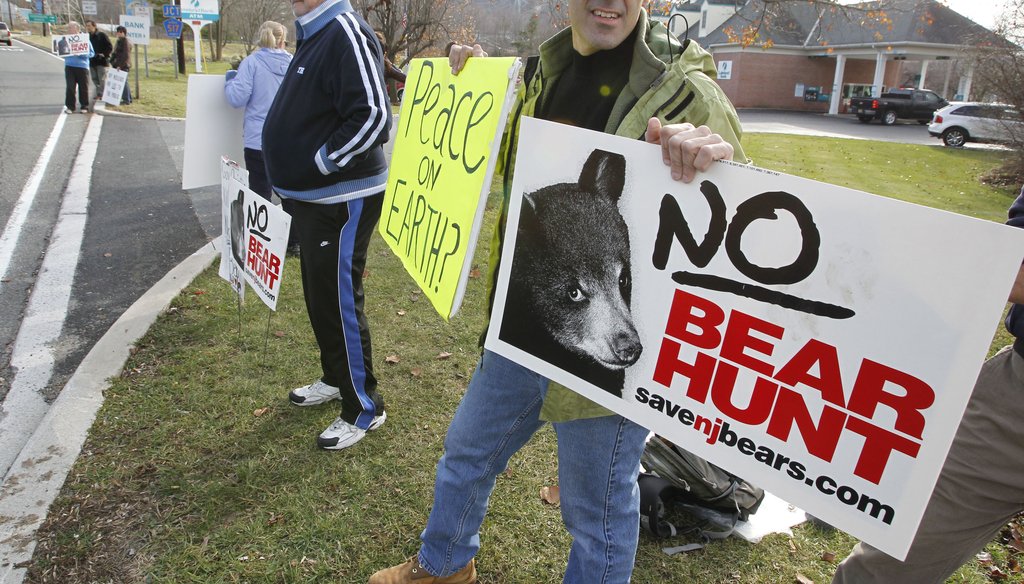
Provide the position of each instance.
(569, 292)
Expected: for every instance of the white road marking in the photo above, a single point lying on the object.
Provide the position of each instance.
(33, 356)
(16, 222)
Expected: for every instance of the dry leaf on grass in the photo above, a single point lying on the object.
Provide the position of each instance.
(801, 579)
(259, 412)
(550, 495)
(416, 372)
(984, 558)
(443, 355)
(391, 359)
(474, 273)
(279, 334)
(401, 313)
(828, 557)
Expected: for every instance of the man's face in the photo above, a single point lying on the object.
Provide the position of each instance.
(90, 27)
(303, 7)
(599, 25)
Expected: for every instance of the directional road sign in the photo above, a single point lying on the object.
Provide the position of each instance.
(51, 18)
(172, 11)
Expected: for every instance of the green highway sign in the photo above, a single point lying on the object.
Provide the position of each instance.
(51, 18)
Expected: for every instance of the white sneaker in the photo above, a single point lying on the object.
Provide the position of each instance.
(313, 394)
(340, 434)
(68, 110)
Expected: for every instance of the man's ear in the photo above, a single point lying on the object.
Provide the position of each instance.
(604, 173)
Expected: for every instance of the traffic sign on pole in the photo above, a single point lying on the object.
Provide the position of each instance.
(51, 18)
(172, 28)
(172, 11)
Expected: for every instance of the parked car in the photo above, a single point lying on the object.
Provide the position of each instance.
(963, 122)
(906, 104)
(5, 34)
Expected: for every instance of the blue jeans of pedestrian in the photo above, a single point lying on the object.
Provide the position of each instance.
(598, 463)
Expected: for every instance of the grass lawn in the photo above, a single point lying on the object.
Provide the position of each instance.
(198, 470)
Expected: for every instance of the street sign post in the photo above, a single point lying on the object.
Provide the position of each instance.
(172, 11)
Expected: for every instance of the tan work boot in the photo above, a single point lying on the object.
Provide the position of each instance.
(411, 571)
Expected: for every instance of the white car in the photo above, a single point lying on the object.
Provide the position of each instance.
(961, 122)
(5, 34)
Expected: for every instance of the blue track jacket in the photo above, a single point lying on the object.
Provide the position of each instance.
(323, 135)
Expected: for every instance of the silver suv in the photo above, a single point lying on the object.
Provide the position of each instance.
(5, 34)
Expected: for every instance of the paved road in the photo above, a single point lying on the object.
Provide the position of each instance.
(843, 126)
(103, 221)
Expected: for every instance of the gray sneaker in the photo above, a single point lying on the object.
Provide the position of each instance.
(340, 434)
(313, 394)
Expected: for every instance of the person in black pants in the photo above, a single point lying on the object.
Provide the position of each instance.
(322, 144)
(76, 76)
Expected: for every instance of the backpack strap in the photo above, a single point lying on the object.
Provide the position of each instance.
(654, 491)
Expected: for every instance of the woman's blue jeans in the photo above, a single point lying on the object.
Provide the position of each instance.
(598, 463)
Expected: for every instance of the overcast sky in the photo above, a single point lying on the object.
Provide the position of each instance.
(984, 12)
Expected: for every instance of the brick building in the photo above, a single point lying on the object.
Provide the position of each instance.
(818, 57)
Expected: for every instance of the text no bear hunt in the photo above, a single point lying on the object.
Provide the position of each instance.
(446, 146)
(818, 341)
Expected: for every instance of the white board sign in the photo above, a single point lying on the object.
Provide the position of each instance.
(265, 237)
(212, 129)
(137, 29)
(818, 341)
(724, 70)
(113, 86)
(71, 45)
(232, 212)
(208, 10)
(89, 7)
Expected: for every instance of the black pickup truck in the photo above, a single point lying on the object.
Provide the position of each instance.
(898, 104)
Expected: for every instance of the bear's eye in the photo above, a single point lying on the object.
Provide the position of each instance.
(624, 281)
(576, 295)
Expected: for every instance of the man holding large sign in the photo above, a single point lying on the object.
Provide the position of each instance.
(611, 71)
(322, 143)
(76, 50)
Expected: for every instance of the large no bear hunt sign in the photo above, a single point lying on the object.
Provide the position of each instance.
(449, 133)
(818, 341)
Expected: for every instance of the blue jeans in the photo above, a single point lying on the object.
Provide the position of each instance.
(598, 463)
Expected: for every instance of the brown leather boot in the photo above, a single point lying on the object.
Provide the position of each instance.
(411, 572)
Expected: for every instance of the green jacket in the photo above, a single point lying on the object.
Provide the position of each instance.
(666, 81)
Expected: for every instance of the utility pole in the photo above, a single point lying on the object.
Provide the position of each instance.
(181, 45)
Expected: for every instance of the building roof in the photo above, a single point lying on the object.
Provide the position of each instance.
(806, 24)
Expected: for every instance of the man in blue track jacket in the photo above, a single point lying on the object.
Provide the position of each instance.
(322, 144)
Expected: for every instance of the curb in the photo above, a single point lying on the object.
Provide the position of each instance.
(37, 475)
(100, 108)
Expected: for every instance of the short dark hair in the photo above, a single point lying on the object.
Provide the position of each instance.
(122, 29)
(92, 22)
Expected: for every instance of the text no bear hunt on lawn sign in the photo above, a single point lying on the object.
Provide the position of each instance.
(818, 341)
(256, 237)
(449, 133)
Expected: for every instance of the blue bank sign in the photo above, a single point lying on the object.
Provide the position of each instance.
(200, 10)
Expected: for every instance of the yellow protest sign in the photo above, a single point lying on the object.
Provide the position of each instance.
(446, 145)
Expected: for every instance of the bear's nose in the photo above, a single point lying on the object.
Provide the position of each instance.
(627, 348)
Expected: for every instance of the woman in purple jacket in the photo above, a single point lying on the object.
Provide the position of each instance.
(253, 87)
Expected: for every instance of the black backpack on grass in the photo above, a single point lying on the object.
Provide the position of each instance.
(684, 494)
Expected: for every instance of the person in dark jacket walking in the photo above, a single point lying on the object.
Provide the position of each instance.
(101, 60)
(322, 143)
(981, 486)
(121, 60)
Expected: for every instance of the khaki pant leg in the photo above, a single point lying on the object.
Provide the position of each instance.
(980, 489)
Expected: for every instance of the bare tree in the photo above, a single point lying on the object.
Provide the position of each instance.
(246, 19)
(999, 76)
(413, 27)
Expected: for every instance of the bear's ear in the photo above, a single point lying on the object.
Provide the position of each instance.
(604, 173)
